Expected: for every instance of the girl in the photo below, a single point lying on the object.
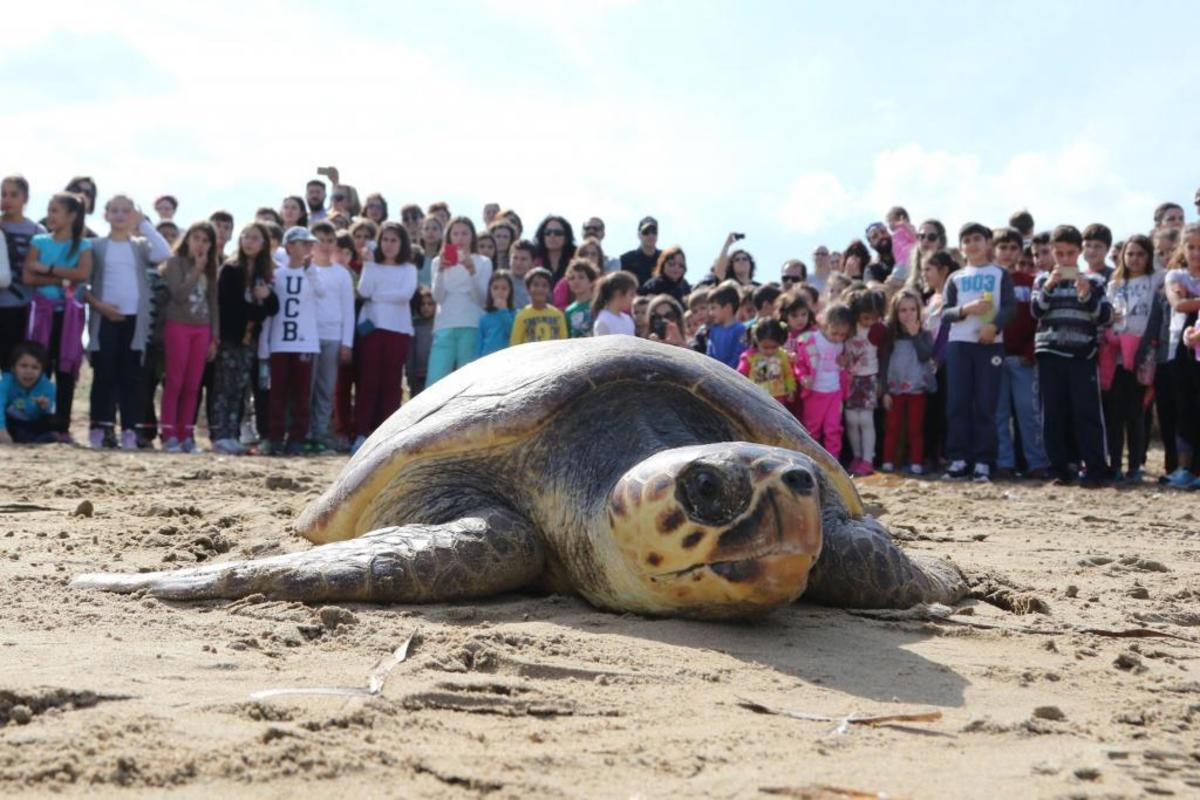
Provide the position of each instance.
(668, 275)
(856, 258)
(862, 350)
(823, 378)
(56, 316)
(385, 326)
(590, 249)
(795, 312)
(504, 234)
(376, 208)
(244, 299)
(190, 334)
(431, 245)
(614, 300)
(581, 280)
(486, 245)
(293, 212)
(460, 286)
(1137, 316)
(907, 366)
(1183, 294)
(416, 367)
(935, 271)
(766, 363)
(495, 327)
(119, 325)
(365, 234)
(666, 321)
(555, 243)
(931, 237)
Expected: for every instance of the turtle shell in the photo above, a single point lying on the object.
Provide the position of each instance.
(505, 398)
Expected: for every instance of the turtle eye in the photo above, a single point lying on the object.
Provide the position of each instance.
(710, 496)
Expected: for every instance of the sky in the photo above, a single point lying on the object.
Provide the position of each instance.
(797, 123)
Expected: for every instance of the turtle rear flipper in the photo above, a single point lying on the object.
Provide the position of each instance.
(474, 556)
(861, 567)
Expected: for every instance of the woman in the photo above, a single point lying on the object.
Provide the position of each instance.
(376, 208)
(931, 237)
(937, 267)
(665, 315)
(667, 277)
(742, 263)
(344, 200)
(554, 241)
(292, 213)
(855, 260)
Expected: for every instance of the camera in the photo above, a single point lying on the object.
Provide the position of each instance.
(737, 237)
(658, 325)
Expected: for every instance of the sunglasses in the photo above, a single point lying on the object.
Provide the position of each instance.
(555, 232)
(650, 232)
(588, 231)
(339, 197)
(790, 279)
(930, 237)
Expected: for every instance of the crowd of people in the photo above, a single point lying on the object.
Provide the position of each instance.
(1003, 353)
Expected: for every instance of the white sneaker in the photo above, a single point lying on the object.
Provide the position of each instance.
(189, 446)
(128, 440)
(916, 469)
(887, 466)
(982, 473)
(172, 446)
(956, 472)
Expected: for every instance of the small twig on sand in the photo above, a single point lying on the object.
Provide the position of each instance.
(22, 508)
(824, 792)
(843, 723)
(375, 681)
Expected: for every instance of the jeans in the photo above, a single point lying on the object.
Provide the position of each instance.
(973, 378)
(325, 376)
(452, 348)
(1018, 396)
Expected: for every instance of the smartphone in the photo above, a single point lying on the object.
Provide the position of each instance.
(1070, 273)
(450, 254)
(323, 171)
(658, 325)
(737, 237)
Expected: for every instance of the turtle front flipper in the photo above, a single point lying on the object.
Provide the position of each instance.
(476, 556)
(861, 567)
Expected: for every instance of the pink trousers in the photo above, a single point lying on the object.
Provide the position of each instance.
(185, 351)
(822, 416)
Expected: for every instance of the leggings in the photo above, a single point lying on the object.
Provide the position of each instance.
(906, 415)
(823, 419)
(115, 372)
(186, 348)
(231, 377)
(860, 424)
(1124, 419)
(452, 348)
(1185, 379)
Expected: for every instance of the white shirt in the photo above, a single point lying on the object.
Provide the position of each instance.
(335, 312)
(1133, 299)
(120, 277)
(459, 294)
(608, 323)
(829, 373)
(387, 290)
(294, 328)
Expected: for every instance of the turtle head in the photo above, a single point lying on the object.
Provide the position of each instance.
(719, 530)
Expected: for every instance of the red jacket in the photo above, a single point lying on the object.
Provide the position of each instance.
(1018, 334)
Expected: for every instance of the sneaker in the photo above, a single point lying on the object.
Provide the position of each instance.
(172, 446)
(956, 472)
(318, 447)
(96, 438)
(129, 440)
(189, 446)
(887, 466)
(1087, 481)
(915, 469)
(248, 434)
(358, 442)
(861, 468)
(228, 447)
(982, 473)
(294, 448)
(1181, 479)
(1134, 476)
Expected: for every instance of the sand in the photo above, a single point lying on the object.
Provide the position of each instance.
(527, 696)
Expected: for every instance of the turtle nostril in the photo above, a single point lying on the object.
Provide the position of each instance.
(799, 481)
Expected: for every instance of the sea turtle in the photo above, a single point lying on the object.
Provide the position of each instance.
(645, 477)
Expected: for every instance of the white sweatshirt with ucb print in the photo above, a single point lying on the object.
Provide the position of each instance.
(294, 328)
(969, 284)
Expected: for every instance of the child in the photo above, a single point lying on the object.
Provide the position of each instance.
(641, 316)
(1183, 294)
(538, 321)
(823, 378)
(1017, 392)
(56, 316)
(746, 311)
(581, 281)
(765, 299)
(190, 334)
(119, 295)
(862, 353)
(244, 300)
(767, 363)
(614, 300)
(495, 328)
(1097, 241)
(27, 398)
(697, 320)
(335, 332)
(17, 231)
(908, 369)
(293, 343)
(385, 328)
(1070, 307)
(904, 235)
(460, 286)
(348, 250)
(416, 367)
(795, 313)
(520, 262)
(979, 303)
(726, 336)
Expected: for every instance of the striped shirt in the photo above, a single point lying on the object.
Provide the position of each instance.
(1067, 327)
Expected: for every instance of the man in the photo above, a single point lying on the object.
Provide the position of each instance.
(880, 241)
(594, 229)
(642, 260)
(821, 268)
(314, 193)
(1168, 215)
(795, 272)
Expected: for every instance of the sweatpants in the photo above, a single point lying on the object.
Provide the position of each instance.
(452, 348)
(231, 378)
(1017, 397)
(1070, 394)
(823, 419)
(860, 425)
(907, 414)
(324, 383)
(291, 379)
(973, 378)
(115, 372)
(1185, 380)
(1125, 419)
(380, 367)
(13, 322)
(37, 431)
(186, 354)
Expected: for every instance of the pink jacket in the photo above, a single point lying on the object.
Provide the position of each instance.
(805, 365)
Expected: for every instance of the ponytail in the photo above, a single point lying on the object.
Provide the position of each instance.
(75, 204)
(610, 286)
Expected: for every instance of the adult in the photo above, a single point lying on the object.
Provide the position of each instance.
(1167, 215)
(165, 207)
(668, 276)
(931, 237)
(18, 231)
(376, 208)
(855, 260)
(665, 316)
(738, 265)
(293, 213)
(412, 216)
(555, 243)
(314, 193)
(884, 264)
(641, 262)
(793, 273)
(837, 262)
(344, 201)
(594, 229)
(822, 266)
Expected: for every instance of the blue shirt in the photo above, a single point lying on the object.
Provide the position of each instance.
(53, 253)
(495, 330)
(726, 343)
(21, 403)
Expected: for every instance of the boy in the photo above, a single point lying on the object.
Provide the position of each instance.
(335, 331)
(27, 398)
(765, 299)
(1043, 258)
(1018, 385)
(18, 231)
(1097, 241)
(726, 337)
(520, 262)
(1071, 307)
(222, 222)
(293, 342)
(978, 305)
(539, 321)
(581, 280)
(1022, 221)
(697, 308)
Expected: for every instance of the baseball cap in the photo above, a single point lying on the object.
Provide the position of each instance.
(298, 233)
(647, 222)
(875, 226)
